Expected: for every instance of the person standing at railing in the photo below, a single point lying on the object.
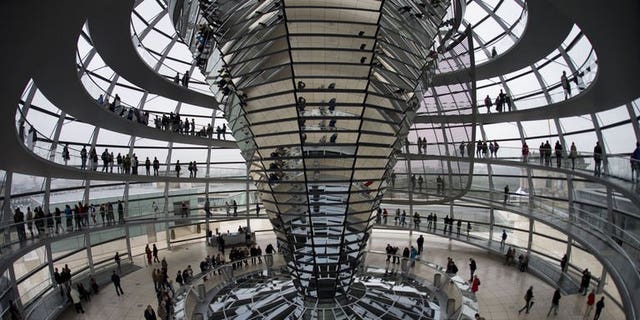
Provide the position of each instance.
(558, 151)
(111, 158)
(573, 155)
(420, 243)
(525, 152)
(68, 217)
(58, 218)
(541, 151)
(506, 194)
(103, 210)
(503, 239)
(120, 161)
(21, 130)
(83, 158)
(30, 221)
(65, 154)
(462, 146)
(105, 160)
(597, 157)
(94, 160)
(134, 164)
(499, 103)
(110, 217)
(564, 81)
(635, 163)
(126, 164)
(207, 207)
(147, 166)
(18, 219)
(177, 168)
(488, 103)
(32, 137)
(185, 79)
(120, 212)
(485, 149)
(547, 153)
(156, 166)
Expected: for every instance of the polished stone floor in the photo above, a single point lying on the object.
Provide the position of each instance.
(500, 294)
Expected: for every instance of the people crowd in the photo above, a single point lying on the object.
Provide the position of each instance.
(41, 223)
(172, 122)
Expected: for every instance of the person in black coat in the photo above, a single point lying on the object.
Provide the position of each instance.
(115, 278)
(149, 314)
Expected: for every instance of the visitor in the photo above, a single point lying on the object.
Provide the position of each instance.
(635, 163)
(591, 301)
(528, 298)
(503, 239)
(564, 81)
(506, 194)
(472, 268)
(555, 302)
(599, 307)
(420, 243)
(558, 151)
(185, 79)
(75, 299)
(116, 283)
(475, 283)
(597, 157)
(573, 155)
(488, 103)
(149, 314)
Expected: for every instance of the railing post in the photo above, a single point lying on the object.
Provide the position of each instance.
(491, 225)
(246, 192)
(6, 207)
(87, 243)
(603, 279)
(14, 287)
(530, 241)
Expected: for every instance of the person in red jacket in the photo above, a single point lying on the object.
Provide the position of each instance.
(591, 300)
(475, 284)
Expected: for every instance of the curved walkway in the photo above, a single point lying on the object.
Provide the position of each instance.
(610, 31)
(624, 187)
(18, 249)
(61, 86)
(499, 297)
(622, 270)
(545, 31)
(543, 269)
(109, 26)
(41, 57)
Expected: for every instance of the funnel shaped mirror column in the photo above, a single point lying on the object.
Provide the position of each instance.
(320, 96)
